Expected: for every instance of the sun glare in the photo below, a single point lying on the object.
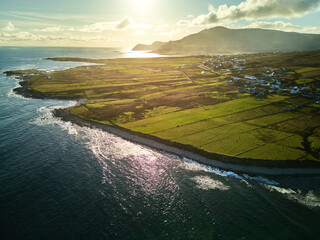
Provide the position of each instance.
(143, 4)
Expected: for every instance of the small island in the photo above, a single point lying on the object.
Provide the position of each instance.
(256, 113)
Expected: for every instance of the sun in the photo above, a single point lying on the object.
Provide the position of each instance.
(143, 8)
(143, 4)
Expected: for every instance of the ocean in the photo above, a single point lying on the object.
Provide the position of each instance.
(62, 181)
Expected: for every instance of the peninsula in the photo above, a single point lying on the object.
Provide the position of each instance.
(248, 111)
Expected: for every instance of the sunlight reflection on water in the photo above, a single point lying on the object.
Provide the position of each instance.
(141, 54)
(90, 184)
(143, 170)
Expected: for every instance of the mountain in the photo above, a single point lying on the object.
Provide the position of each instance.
(153, 46)
(224, 40)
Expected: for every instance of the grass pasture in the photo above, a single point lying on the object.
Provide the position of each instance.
(172, 99)
(307, 69)
(304, 80)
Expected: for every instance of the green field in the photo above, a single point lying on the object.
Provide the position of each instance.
(307, 69)
(304, 80)
(171, 99)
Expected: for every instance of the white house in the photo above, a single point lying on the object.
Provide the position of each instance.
(282, 89)
(295, 90)
(250, 77)
(273, 74)
(240, 60)
(278, 82)
(238, 67)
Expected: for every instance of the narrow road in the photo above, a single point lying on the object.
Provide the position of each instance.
(221, 74)
(184, 73)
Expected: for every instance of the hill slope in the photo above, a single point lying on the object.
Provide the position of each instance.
(224, 40)
(144, 47)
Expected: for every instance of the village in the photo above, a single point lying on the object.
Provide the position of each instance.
(264, 81)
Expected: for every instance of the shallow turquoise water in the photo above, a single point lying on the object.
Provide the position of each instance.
(60, 181)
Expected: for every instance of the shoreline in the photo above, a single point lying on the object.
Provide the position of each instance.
(248, 166)
(229, 163)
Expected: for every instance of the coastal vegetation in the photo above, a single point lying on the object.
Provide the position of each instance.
(267, 109)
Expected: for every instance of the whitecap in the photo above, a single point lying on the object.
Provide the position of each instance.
(11, 93)
(195, 166)
(207, 183)
(261, 179)
(309, 198)
(45, 117)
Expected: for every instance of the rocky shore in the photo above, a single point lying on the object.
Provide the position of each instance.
(240, 165)
(251, 166)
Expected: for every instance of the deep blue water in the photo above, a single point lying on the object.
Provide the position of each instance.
(60, 181)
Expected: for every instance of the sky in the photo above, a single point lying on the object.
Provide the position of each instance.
(124, 23)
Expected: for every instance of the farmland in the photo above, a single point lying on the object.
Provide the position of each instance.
(181, 100)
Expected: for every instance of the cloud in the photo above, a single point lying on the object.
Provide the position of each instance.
(84, 38)
(50, 29)
(139, 33)
(257, 9)
(21, 36)
(183, 23)
(97, 27)
(9, 27)
(124, 24)
(283, 26)
(27, 36)
(97, 34)
(41, 17)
